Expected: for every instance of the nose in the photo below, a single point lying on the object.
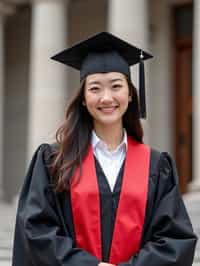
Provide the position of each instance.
(106, 95)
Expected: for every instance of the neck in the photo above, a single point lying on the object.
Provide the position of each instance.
(111, 135)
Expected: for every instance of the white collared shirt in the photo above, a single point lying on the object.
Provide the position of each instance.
(110, 161)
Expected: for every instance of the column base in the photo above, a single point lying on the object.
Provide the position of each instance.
(194, 186)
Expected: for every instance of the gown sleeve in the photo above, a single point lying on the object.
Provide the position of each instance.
(169, 239)
(41, 239)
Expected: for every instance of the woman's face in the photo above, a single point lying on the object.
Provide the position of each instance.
(106, 97)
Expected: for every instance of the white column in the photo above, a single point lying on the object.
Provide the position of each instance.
(1, 102)
(161, 91)
(47, 78)
(129, 20)
(196, 97)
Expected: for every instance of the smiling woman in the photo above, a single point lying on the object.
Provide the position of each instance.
(99, 195)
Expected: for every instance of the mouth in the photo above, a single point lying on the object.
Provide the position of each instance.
(107, 109)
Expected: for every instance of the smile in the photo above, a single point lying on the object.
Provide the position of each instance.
(108, 109)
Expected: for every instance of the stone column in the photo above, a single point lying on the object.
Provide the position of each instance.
(1, 102)
(129, 20)
(47, 78)
(196, 97)
(5, 10)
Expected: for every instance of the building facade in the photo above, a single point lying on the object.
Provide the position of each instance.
(34, 90)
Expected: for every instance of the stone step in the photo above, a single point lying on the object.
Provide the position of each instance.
(5, 254)
(5, 262)
(7, 221)
(192, 202)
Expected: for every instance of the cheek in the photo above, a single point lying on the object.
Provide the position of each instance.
(86, 98)
(124, 99)
(90, 102)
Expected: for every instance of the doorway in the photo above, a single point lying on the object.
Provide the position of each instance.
(183, 18)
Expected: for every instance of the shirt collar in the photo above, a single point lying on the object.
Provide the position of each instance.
(97, 142)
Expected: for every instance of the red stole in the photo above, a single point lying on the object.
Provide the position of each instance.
(131, 208)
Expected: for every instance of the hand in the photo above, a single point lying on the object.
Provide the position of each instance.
(105, 264)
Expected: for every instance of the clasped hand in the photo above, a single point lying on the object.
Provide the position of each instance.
(105, 264)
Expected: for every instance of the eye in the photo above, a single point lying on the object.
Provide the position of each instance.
(116, 86)
(94, 89)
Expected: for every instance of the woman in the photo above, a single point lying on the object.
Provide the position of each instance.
(100, 196)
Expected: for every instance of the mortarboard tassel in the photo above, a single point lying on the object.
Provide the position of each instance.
(142, 87)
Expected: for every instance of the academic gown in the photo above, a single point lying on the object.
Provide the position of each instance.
(44, 231)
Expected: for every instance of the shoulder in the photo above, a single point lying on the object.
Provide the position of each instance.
(159, 161)
(48, 146)
(46, 151)
(163, 169)
(41, 159)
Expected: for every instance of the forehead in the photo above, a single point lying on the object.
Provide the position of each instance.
(105, 77)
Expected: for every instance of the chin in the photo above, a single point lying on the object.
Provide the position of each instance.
(108, 122)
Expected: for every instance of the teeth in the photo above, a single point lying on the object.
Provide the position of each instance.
(107, 109)
(112, 107)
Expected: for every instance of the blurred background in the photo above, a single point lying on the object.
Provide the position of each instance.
(34, 90)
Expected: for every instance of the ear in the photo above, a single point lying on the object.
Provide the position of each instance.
(129, 98)
(83, 103)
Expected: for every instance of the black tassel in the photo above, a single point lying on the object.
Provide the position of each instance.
(142, 88)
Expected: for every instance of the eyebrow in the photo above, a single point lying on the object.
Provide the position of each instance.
(117, 79)
(93, 82)
(98, 82)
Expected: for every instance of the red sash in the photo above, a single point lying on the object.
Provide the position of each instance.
(131, 208)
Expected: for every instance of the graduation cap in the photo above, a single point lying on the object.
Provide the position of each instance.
(103, 53)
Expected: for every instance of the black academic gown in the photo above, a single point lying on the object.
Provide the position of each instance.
(44, 232)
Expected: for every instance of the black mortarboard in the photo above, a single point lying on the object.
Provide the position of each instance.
(104, 53)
